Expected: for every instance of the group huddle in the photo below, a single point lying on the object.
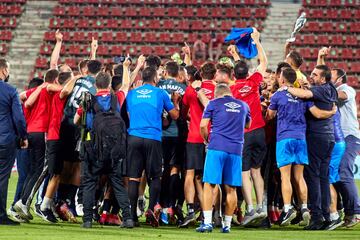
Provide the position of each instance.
(88, 142)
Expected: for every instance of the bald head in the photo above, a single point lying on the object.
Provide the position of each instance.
(222, 90)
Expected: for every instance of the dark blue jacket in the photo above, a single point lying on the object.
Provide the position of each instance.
(12, 121)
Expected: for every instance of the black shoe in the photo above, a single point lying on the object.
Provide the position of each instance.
(37, 210)
(334, 224)
(265, 223)
(190, 218)
(287, 217)
(96, 215)
(315, 225)
(8, 221)
(87, 225)
(128, 223)
(179, 213)
(48, 216)
(297, 219)
(305, 217)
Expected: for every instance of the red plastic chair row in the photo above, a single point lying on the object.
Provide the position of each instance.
(7, 22)
(332, 13)
(326, 3)
(3, 49)
(325, 40)
(332, 27)
(13, 1)
(10, 10)
(5, 35)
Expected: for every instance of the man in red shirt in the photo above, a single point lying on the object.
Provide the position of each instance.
(246, 88)
(195, 148)
(38, 104)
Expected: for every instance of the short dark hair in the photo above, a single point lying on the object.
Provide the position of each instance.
(149, 74)
(116, 82)
(280, 66)
(296, 58)
(153, 61)
(241, 69)
(35, 82)
(224, 69)
(103, 80)
(94, 66)
(3, 63)
(83, 63)
(268, 70)
(172, 69)
(341, 73)
(208, 71)
(64, 76)
(289, 74)
(51, 75)
(326, 72)
(192, 72)
(109, 67)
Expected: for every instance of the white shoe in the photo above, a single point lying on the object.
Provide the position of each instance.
(15, 216)
(22, 210)
(79, 209)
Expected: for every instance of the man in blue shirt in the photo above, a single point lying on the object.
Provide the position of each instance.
(320, 140)
(291, 148)
(12, 129)
(223, 163)
(145, 106)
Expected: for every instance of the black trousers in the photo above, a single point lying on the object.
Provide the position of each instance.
(7, 159)
(37, 158)
(90, 180)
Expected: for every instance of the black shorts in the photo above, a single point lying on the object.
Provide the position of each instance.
(173, 152)
(143, 154)
(254, 149)
(195, 156)
(55, 163)
(69, 137)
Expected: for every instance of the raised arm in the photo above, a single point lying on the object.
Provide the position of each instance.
(323, 52)
(140, 63)
(93, 48)
(55, 55)
(287, 49)
(261, 52)
(232, 49)
(187, 52)
(126, 76)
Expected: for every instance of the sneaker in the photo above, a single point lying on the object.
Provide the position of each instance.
(79, 208)
(15, 216)
(250, 217)
(38, 211)
(178, 212)
(86, 225)
(171, 216)
(314, 225)
(334, 224)
(305, 215)
(104, 217)
(141, 205)
(190, 218)
(262, 215)
(65, 214)
(53, 209)
(225, 229)
(22, 210)
(352, 221)
(204, 228)
(273, 217)
(157, 212)
(151, 218)
(128, 223)
(48, 216)
(114, 220)
(8, 221)
(164, 218)
(286, 217)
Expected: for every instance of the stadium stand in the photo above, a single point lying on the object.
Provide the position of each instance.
(10, 12)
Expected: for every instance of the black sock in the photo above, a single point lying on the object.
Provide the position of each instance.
(190, 208)
(174, 185)
(155, 189)
(181, 195)
(62, 192)
(106, 205)
(133, 190)
(71, 195)
(115, 207)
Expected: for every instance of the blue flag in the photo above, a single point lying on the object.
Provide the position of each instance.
(243, 41)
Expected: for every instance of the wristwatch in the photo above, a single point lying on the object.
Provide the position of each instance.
(197, 89)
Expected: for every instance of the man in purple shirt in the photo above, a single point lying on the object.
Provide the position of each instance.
(223, 163)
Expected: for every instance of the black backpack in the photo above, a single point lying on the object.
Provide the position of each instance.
(108, 136)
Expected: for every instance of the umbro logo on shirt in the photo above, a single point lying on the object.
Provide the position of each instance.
(144, 93)
(232, 107)
(207, 91)
(245, 89)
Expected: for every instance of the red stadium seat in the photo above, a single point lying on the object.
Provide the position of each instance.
(164, 37)
(245, 12)
(103, 11)
(355, 26)
(337, 40)
(41, 63)
(346, 53)
(313, 27)
(130, 12)
(173, 12)
(97, 23)
(91, 35)
(332, 13)
(306, 53)
(231, 13)
(334, 54)
(188, 12)
(140, 24)
(260, 13)
(172, 50)
(79, 37)
(240, 24)
(201, 12)
(71, 62)
(59, 11)
(144, 12)
(341, 27)
(150, 37)
(353, 82)
(309, 40)
(197, 25)
(345, 14)
(126, 24)
(146, 50)
(54, 23)
(168, 24)
(49, 36)
(160, 51)
(111, 23)
(88, 11)
(327, 27)
(177, 38)
(116, 50)
(217, 13)
(183, 25)
(192, 37)
(159, 12)
(107, 37)
(355, 67)
(351, 40)
(45, 49)
(225, 25)
(116, 12)
(69, 23)
(154, 24)
(73, 11)
(121, 37)
(322, 40)
(135, 37)
(102, 50)
(74, 50)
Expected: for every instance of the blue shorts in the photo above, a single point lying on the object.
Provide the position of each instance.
(336, 156)
(291, 151)
(222, 167)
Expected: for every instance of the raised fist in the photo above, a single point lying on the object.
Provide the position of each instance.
(58, 36)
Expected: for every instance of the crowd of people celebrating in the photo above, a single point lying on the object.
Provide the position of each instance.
(87, 142)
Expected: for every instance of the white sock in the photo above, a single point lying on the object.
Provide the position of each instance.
(304, 206)
(207, 217)
(46, 204)
(287, 207)
(259, 206)
(249, 208)
(334, 216)
(228, 221)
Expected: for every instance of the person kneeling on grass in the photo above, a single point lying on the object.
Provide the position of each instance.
(223, 163)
